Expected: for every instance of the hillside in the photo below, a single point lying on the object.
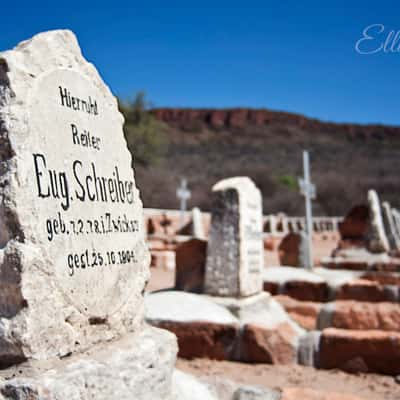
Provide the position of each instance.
(206, 145)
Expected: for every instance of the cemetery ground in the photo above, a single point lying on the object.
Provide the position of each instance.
(99, 296)
(365, 386)
(356, 291)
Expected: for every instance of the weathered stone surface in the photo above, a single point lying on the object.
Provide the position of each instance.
(259, 309)
(185, 307)
(305, 313)
(307, 291)
(308, 353)
(203, 328)
(256, 393)
(355, 224)
(289, 250)
(360, 316)
(389, 226)
(190, 265)
(360, 351)
(273, 346)
(73, 256)
(187, 387)
(223, 387)
(197, 224)
(377, 239)
(235, 255)
(311, 394)
(201, 339)
(383, 278)
(396, 220)
(297, 283)
(137, 367)
(368, 291)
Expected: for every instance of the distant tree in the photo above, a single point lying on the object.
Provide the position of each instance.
(144, 134)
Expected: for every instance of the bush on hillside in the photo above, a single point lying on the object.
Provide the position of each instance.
(144, 135)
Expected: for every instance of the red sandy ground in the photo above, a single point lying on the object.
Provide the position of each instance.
(364, 386)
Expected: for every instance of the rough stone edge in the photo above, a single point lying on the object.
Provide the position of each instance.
(13, 62)
(76, 374)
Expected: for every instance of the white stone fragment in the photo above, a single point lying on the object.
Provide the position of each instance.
(185, 307)
(187, 387)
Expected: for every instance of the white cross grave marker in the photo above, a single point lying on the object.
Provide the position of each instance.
(183, 194)
(308, 190)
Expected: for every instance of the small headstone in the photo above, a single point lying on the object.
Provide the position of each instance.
(190, 265)
(396, 220)
(355, 225)
(377, 239)
(197, 224)
(292, 250)
(235, 257)
(389, 225)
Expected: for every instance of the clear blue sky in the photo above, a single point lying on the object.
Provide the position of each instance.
(286, 55)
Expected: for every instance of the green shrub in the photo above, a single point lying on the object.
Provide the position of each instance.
(144, 134)
(289, 181)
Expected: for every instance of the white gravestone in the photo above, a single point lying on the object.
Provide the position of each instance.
(197, 224)
(390, 228)
(235, 254)
(377, 239)
(396, 220)
(73, 257)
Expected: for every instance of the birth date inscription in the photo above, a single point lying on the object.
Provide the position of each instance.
(89, 216)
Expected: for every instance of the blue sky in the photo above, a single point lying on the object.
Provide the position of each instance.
(283, 55)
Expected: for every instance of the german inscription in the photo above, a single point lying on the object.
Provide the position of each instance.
(85, 192)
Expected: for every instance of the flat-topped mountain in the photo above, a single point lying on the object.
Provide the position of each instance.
(206, 145)
(242, 118)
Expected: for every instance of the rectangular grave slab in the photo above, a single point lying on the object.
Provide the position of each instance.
(73, 259)
(235, 254)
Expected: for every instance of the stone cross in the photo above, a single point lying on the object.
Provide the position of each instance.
(183, 194)
(235, 253)
(308, 190)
